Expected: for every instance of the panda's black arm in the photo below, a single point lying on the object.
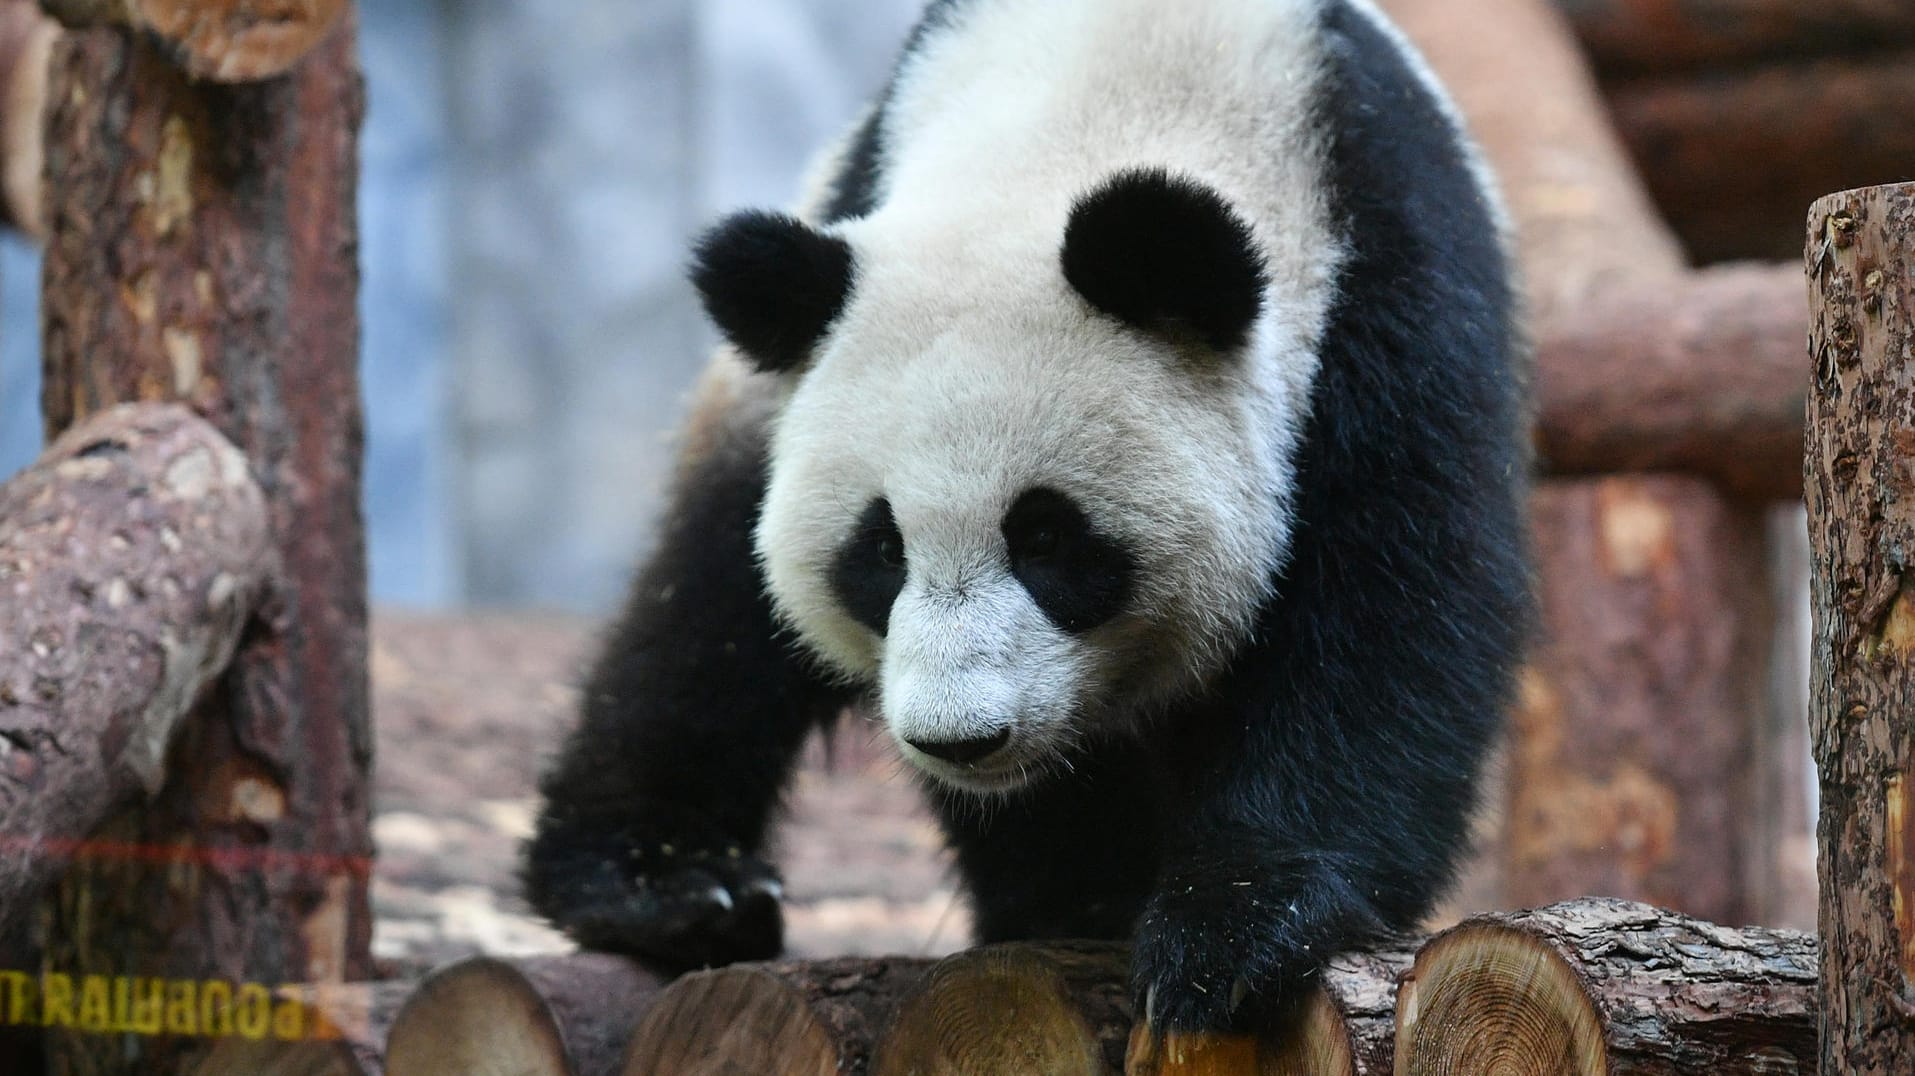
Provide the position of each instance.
(1327, 786)
(691, 720)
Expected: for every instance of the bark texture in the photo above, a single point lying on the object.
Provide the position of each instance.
(1860, 472)
(1663, 35)
(221, 40)
(202, 248)
(1629, 771)
(1733, 157)
(1704, 377)
(571, 1016)
(131, 556)
(1599, 987)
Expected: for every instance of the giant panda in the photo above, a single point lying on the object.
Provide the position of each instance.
(1131, 415)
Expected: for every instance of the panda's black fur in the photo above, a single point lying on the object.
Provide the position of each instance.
(1316, 795)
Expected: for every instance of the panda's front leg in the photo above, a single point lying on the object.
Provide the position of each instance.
(1313, 820)
(650, 839)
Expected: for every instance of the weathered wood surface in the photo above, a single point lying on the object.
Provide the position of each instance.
(1732, 157)
(202, 248)
(346, 1025)
(1630, 764)
(1664, 35)
(131, 555)
(1705, 377)
(221, 40)
(1600, 987)
(1860, 472)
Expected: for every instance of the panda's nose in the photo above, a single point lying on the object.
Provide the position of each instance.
(963, 752)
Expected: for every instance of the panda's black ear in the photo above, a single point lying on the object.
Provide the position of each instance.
(1166, 254)
(772, 284)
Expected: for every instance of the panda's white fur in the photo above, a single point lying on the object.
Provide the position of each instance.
(997, 376)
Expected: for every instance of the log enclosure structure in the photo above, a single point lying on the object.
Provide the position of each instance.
(1860, 475)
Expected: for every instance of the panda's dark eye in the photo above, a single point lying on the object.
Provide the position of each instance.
(868, 572)
(1076, 575)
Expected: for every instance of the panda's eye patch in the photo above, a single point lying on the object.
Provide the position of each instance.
(869, 570)
(1077, 576)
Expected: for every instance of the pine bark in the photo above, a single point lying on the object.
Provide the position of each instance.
(131, 556)
(219, 40)
(1860, 471)
(1599, 987)
(202, 248)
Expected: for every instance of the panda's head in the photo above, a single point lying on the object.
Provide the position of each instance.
(1027, 478)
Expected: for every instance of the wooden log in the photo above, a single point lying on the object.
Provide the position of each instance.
(1597, 986)
(342, 1032)
(1861, 530)
(202, 247)
(822, 1017)
(1734, 156)
(131, 556)
(26, 42)
(568, 1016)
(1664, 35)
(221, 40)
(1633, 727)
(1705, 376)
(1586, 233)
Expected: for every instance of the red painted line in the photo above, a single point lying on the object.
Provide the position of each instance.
(229, 858)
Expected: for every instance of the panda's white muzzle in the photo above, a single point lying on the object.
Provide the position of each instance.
(977, 685)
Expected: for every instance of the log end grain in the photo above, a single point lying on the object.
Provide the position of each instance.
(1485, 999)
(730, 1020)
(481, 1017)
(996, 1009)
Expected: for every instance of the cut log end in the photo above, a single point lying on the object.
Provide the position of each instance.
(479, 1016)
(1486, 999)
(728, 1020)
(1000, 1009)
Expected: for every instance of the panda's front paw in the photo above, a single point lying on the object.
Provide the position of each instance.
(684, 901)
(1236, 948)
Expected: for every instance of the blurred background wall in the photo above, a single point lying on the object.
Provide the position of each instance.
(533, 173)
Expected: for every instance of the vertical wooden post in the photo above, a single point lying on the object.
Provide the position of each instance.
(1859, 481)
(202, 247)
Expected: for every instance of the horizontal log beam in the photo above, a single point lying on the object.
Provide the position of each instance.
(131, 555)
(1596, 986)
(1665, 35)
(1704, 373)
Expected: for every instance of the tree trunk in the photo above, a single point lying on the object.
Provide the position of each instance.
(201, 247)
(1664, 35)
(568, 1016)
(1632, 745)
(1703, 377)
(26, 40)
(131, 555)
(1588, 238)
(1861, 457)
(1733, 156)
(1599, 987)
(220, 40)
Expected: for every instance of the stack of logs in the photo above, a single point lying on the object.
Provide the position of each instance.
(1592, 986)
(184, 737)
